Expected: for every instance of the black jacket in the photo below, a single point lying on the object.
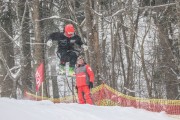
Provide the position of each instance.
(65, 43)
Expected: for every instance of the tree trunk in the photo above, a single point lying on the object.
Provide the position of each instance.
(93, 41)
(178, 17)
(26, 76)
(166, 60)
(8, 51)
(38, 48)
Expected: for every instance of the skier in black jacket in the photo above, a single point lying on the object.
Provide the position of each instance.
(69, 45)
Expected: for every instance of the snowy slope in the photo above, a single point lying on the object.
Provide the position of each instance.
(11, 109)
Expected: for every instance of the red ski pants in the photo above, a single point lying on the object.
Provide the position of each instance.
(84, 95)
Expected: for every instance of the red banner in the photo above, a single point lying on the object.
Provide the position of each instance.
(39, 76)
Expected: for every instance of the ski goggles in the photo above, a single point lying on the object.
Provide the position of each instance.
(70, 33)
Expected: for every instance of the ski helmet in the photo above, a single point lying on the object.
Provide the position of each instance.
(69, 30)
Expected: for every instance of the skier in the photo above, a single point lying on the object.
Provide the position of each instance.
(69, 46)
(84, 80)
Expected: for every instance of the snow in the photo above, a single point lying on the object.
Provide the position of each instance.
(11, 109)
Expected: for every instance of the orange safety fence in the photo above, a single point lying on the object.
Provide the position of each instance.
(104, 95)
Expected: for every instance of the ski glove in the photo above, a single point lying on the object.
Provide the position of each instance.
(49, 43)
(85, 47)
(91, 85)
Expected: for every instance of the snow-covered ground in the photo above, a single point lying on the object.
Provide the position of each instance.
(11, 109)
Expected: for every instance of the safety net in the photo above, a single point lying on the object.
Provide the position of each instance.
(104, 95)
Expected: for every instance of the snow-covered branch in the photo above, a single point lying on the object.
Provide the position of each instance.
(157, 6)
(12, 75)
(12, 39)
(119, 11)
(128, 89)
(57, 17)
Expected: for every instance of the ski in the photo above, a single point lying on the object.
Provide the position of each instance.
(66, 70)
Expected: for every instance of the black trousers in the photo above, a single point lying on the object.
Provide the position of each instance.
(67, 56)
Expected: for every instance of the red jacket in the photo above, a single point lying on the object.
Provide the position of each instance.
(84, 75)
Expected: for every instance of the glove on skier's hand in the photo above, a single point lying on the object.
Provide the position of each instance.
(91, 85)
(85, 47)
(49, 43)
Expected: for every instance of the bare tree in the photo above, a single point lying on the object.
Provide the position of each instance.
(93, 41)
(38, 54)
(7, 45)
(24, 21)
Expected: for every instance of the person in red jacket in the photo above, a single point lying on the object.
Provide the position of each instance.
(84, 81)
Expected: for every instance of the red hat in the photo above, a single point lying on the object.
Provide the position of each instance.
(69, 30)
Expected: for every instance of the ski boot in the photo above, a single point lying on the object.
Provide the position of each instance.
(71, 71)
